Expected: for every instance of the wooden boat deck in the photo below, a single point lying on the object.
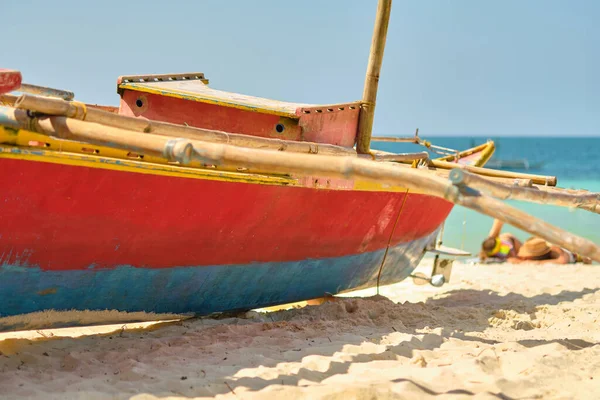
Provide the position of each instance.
(195, 87)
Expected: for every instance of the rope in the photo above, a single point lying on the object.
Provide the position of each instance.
(80, 107)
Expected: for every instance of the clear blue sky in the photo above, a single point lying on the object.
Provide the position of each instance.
(451, 67)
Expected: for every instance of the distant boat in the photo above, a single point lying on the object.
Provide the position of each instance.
(514, 164)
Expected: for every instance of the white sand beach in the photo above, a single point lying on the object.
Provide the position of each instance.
(493, 332)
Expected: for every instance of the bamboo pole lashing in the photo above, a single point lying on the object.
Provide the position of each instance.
(183, 150)
(589, 201)
(369, 98)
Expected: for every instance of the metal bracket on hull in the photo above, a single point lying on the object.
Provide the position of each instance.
(163, 77)
(440, 273)
(442, 267)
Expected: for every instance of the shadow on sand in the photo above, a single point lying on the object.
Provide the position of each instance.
(212, 354)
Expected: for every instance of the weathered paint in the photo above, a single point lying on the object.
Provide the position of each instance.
(76, 216)
(9, 80)
(330, 124)
(103, 231)
(107, 161)
(195, 104)
(64, 222)
(197, 90)
(201, 289)
(207, 116)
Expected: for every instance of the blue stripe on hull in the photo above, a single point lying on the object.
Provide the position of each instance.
(202, 290)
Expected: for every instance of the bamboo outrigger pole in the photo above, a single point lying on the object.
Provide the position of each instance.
(185, 150)
(77, 110)
(581, 199)
(367, 111)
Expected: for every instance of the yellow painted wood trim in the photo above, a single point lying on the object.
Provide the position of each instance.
(107, 163)
(137, 167)
(18, 144)
(486, 149)
(31, 140)
(486, 154)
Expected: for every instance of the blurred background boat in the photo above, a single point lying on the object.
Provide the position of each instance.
(514, 164)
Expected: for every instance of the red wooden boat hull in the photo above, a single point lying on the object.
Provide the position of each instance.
(88, 227)
(105, 234)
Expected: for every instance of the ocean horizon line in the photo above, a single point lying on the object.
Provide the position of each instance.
(514, 136)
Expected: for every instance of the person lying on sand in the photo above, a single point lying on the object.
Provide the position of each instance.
(497, 245)
(537, 251)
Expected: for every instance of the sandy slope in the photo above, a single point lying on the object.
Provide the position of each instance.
(496, 331)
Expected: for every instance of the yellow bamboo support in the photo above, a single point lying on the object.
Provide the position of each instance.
(367, 111)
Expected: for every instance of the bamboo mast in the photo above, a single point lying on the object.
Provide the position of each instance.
(185, 150)
(367, 111)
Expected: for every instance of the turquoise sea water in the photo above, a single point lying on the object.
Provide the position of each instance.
(574, 161)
